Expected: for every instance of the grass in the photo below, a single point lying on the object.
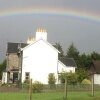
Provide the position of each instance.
(50, 96)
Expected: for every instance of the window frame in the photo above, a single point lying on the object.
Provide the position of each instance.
(27, 75)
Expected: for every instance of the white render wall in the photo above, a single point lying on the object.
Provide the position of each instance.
(41, 35)
(4, 77)
(62, 67)
(96, 78)
(39, 59)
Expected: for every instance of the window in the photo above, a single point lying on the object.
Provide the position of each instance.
(27, 76)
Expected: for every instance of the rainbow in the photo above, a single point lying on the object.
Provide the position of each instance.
(49, 11)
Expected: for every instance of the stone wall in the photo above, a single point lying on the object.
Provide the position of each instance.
(12, 61)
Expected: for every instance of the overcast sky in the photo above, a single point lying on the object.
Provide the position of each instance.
(85, 34)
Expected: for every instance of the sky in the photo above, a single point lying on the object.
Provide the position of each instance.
(66, 22)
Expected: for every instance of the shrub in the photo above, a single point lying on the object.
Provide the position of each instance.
(71, 77)
(27, 81)
(51, 78)
(37, 86)
(26, 84)
(81, 75)
(86, 81)
(62, 77)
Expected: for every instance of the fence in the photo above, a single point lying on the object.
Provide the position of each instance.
(25, 91)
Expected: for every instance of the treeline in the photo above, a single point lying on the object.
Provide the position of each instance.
(82, 60)
(2, 68)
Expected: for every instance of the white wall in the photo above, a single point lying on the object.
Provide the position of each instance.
(96, 78)
(4, 77)
(41, 35)
(39, 59)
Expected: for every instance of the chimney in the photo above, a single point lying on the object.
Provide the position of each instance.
(30, 40)
(41, 34)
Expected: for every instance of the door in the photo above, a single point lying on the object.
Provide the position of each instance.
(15, 77)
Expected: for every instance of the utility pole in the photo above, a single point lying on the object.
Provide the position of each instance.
(93, 85)
(30, 90)
(65, 87)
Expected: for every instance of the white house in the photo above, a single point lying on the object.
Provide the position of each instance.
(41, 58)
(66, 65)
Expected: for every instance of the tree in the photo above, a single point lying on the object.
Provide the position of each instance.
(51, 79)
(95, 56)
(73, 52)
(82, 74)
(59, 48)
(71, 77)
(2, 68)
(85, 61)
(62, 77)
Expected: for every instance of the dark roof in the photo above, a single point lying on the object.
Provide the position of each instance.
(95, 67)
(14, 47)
(68, 61)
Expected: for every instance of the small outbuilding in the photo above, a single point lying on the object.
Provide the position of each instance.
(95, 71)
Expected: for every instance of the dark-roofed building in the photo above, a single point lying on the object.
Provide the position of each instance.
(14, 47)
(35, 60)
(95, 71)
(13, 56)
(68, 63)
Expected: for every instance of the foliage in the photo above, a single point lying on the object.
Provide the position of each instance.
(81, 74)
(59, 48)
(72, 52)
(71, 77)
(51, 78)
(26, 84)
(2, 68)
(62, 77)
(86, 81)
(27, 81)
(85, 61)
(95, 56)
(37, 87)
(82, 60)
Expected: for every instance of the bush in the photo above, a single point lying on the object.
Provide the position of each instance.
(26, 84)
(51, 78)
(27, 81)
(62, 77)
(37, 86)
(86, 81)
(71, 77)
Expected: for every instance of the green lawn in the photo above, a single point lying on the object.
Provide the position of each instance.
(50, 96)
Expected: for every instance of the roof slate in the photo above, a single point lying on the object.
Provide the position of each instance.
(95, 67)
(14, 47)
(68, 61)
